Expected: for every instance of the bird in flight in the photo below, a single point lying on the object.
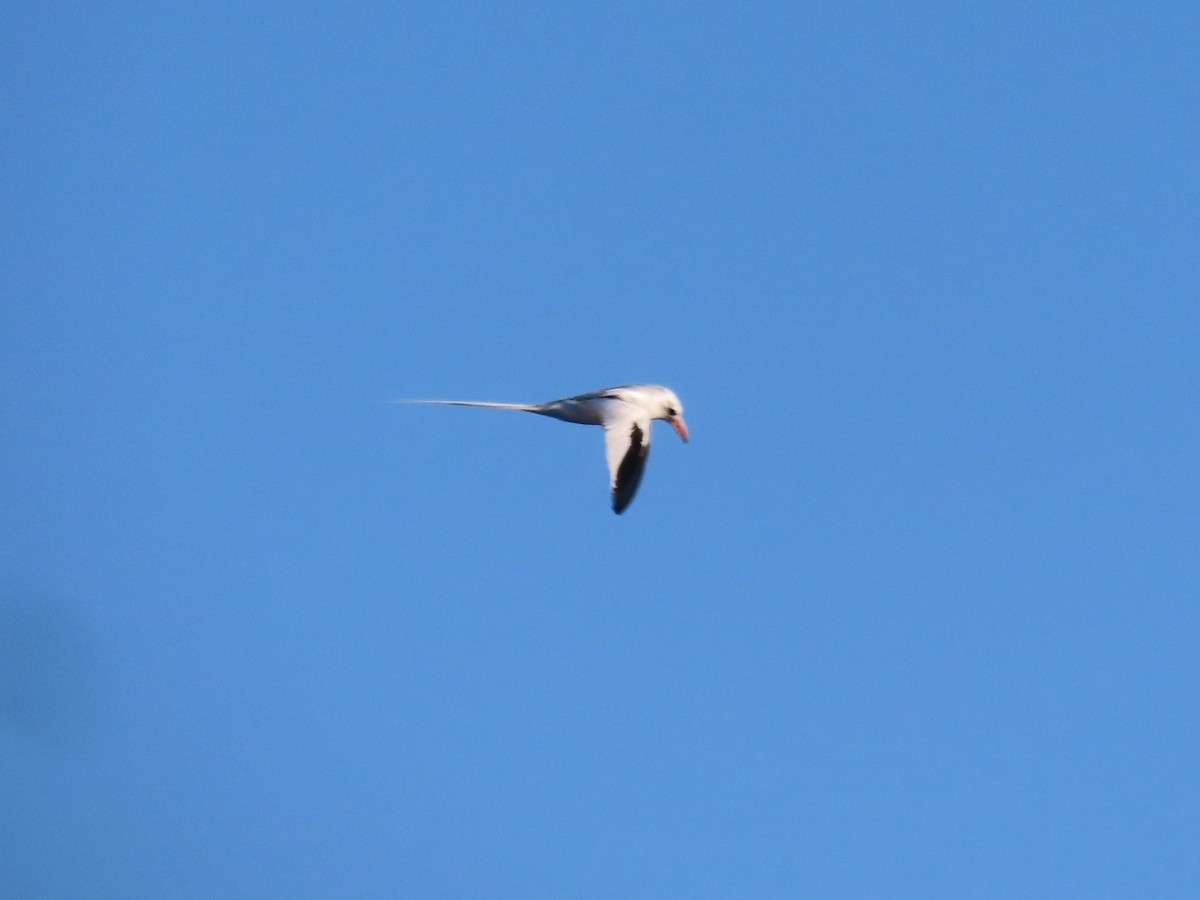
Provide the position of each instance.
(625, 412)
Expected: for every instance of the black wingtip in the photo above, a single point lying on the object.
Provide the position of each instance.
(629, 473)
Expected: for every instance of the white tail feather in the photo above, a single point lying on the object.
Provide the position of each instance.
(525, 407)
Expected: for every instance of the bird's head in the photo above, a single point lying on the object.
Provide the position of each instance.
(672, 411)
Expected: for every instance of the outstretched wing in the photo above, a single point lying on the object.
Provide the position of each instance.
(627, 439)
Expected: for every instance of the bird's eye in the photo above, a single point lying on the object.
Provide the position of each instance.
(671, 411)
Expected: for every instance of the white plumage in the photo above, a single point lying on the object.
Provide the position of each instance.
(625, 412)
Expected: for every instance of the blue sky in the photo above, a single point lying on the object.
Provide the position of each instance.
(914, 613)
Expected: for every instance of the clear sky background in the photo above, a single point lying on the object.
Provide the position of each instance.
(915, 612)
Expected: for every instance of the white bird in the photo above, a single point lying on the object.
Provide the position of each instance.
(625, 412)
